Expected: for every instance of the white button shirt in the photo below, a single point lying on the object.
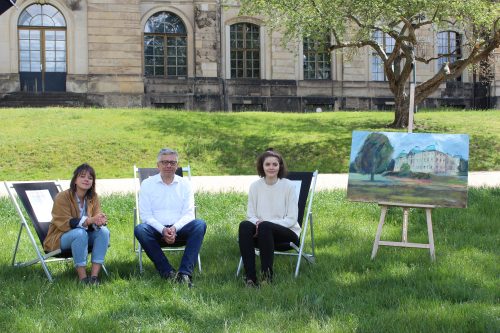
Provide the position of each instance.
(163, 204)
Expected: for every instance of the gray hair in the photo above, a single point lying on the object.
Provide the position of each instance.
(167, 151)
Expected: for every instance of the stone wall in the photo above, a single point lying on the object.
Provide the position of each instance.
(115, 52)
(105, 62)
(207, 39)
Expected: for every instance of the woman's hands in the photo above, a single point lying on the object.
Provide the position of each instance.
(257, 227)
(98, 220)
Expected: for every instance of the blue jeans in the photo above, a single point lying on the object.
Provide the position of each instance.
(152, 242)
(79, 240)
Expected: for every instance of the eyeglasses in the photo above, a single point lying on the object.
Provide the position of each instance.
(165, 163)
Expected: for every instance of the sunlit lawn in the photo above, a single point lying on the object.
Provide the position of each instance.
(345, 291)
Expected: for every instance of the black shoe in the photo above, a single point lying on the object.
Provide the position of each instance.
(267, 276)
(184, 279)
(84, 282)
(170, 276)
(249, 283)
(94, 281)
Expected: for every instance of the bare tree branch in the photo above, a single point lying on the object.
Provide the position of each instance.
(479, 52)
(355, 44)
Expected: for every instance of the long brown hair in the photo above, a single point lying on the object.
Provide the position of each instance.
(78, 171)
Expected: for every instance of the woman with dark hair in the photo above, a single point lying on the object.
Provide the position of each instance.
(78, 223)
(271, 216)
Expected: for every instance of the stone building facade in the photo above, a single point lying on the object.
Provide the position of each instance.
(199, 54)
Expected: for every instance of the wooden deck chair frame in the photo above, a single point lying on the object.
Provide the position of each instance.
(307, 183)
(41, 227)
(140, 174)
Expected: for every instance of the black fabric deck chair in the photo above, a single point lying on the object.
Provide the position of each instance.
(305, 185)
(140, 174)
(37, 199)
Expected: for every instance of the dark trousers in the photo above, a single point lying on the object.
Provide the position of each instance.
(152, 242)
(268, 236)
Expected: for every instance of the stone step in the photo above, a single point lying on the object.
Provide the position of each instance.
(23, 99)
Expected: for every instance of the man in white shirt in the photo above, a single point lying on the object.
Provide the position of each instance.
(166, 207)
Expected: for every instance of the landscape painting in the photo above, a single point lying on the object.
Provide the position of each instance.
(409, 168)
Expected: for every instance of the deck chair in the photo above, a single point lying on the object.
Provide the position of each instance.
(305, 184)
(140, 174)
(37, 200)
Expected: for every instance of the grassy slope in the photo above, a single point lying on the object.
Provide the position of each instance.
(49, 143)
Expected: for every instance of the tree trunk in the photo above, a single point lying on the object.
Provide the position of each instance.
(401, 108)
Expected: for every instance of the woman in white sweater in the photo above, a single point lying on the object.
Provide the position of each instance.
(271, 216)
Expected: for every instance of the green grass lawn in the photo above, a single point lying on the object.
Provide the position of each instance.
(49, 143)
(345, 291)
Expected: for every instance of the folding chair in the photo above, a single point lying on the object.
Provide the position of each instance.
(305, 184)
(140, 174)
(37, 200)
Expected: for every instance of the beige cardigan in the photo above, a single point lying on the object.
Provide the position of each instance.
(65, 209)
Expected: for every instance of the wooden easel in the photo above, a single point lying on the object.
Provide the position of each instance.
(404, 242)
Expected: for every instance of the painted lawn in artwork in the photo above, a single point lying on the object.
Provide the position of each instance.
(409, 168)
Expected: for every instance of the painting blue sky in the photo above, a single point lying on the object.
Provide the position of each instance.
(453, 144)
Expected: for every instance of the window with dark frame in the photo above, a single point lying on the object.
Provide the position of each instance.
(317, 60)
(245, 50)
(449, 48)
(387, 44)
(165, 46)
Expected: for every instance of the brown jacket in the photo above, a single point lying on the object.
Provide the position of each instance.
(64, 210)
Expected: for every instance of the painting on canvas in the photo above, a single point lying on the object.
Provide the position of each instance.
(409, 168)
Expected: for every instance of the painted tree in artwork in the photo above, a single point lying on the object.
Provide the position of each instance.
(374, 156)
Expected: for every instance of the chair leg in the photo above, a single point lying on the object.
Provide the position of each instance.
(239, 266)
(17, 245)
(47, 272)
(140, 258)
(311, 226)
(308, 257)
(105, 270)
(298, 263)
(199, 262)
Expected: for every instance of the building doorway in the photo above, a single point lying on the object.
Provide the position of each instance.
(42, 49)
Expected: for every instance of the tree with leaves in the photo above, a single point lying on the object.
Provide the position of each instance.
(355, 24)
(374, 156)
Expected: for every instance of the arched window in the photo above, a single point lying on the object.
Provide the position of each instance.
(41, 16)
(387, 43)
(317, 59)
(165, 46)
(42, 48)
(245, 50)
(449, 49)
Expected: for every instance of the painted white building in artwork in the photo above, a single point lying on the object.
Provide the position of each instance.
(428, 160)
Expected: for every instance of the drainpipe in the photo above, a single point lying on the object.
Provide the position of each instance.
(220, 72)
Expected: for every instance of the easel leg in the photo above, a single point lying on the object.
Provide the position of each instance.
(379, 231)
(431, 235)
